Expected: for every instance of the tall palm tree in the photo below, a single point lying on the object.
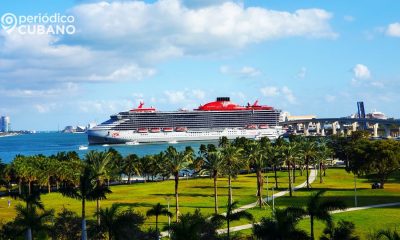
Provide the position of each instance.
(32, 220)
(309, 151)
(323, 152)
(131, 166)
(213, 163)
(289, 153)
(282, 225)
(257, 156)
(156, 211)
(234, 162)
(175, 162)
(320, 209)
(99, 163)
(87, 190)
(275, 156)
(232, 215)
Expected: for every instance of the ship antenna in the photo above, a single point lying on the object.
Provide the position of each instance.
(141, 104)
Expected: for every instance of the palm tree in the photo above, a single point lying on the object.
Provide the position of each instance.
(323, 152)
(195, 226)
(87, 190)
(99, 163)
(232, 215)
(289, 153)
(156, 211)
(213, 163)
(175, 162)
(256, 154)
(345, 231)
(275, 155)
(131, 166)
(233, 160)
(388, 234)
(309, 150)
(282, 225)
(32, 220)
(316, 208)
(121, 225)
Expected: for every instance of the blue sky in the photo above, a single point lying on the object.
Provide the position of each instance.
(305, 57)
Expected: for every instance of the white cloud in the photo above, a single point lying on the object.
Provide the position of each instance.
(131, 72)
(285, 92)
(247, 71)
(270, 91)
(288, 95)
(377, 84)
(302, 73)
(45, 108)
(348, 18)
(361, 72)
(175, 96)
(103, 106)
(330, 98)
(244, 72)
(167, 23)
(393, 30)
(199, 94)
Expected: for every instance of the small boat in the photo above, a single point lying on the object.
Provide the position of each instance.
(251, 126)
(83, 147)
(168, 129)
(173, 142)
(155, 130)
(181, 129)
(132, 143)
(263, 126)
(143, 130)
(105, 145)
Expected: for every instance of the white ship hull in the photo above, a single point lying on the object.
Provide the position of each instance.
(127, 136)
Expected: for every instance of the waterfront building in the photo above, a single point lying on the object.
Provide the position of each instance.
(5, 123)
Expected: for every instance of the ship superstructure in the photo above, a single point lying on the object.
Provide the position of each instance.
(208, 122)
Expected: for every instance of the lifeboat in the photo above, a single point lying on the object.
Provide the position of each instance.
(168, 129)
(181, 129)
(263, 126)
(155, 130)
(251, 126)
(142, 130)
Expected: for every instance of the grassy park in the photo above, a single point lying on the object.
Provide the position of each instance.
(198, 193)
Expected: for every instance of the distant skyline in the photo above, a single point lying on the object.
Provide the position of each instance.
(304, 57)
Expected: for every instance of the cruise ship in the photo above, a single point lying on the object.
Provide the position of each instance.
(208, 122)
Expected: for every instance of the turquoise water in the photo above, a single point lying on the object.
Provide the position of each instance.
(51, 143)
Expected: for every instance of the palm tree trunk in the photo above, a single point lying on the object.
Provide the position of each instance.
(215, 193)
(308, 183)
(84, 233)
(97, 211)
(301, 169)
(320, 173)
(157, 225)
(29, 234)
(29, 187)
(129, 178)
(49, 186)
(294, 172)
(229, 189)
(312, 227)
(176, 195)
(259, 187)
(290, 180)
(276, 177)
(20, 186)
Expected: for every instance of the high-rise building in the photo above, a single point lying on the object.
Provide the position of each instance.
(5, 123)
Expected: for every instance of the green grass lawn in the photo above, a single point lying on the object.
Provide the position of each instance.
(198, 193)
(193, 193)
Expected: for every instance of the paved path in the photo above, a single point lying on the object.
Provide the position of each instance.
(248, 226)
(311, 179)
